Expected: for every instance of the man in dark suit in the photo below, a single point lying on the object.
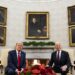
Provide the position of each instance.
(16, 60)
(60, 60)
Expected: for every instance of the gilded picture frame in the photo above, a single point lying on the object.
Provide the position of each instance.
(3, 15)
(2, 36)
(71, 15)
(37, 25)
(72, 36)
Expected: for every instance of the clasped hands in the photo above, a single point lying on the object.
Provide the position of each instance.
(63, 68)
(18, 72)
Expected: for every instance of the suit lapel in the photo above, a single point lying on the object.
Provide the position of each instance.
(21, 57)
(61, 56)
(56, 55)
(15, 56)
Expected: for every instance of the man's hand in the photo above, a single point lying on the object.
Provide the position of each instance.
(17, 71)
(22, 70)
(63, 68)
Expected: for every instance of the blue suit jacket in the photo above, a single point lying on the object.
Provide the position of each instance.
(13, 62)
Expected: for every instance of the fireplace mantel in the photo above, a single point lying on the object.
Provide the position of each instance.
(38, 47)
(38, 52)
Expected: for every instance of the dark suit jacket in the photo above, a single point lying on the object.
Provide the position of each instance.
(64, 60)
(12, 60)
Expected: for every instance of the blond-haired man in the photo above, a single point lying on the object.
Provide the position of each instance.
(16, 60)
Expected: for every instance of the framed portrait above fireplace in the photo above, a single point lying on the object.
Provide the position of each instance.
(37, 25)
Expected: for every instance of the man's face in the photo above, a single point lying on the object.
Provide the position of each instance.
(19, 46)
(57, 46)
(34, 20)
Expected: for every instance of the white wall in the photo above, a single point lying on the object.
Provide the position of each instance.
(16, 19)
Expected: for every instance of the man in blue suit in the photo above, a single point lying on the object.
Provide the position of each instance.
(60, 60)
(16, 60)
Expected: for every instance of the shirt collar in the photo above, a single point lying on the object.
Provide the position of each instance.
(17, 51)
(59, 51)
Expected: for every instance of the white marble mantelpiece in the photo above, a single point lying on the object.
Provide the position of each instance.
(38, 52)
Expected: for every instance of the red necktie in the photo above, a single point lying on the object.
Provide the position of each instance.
(19, 60)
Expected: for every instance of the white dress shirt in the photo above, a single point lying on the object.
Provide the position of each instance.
(17, 53)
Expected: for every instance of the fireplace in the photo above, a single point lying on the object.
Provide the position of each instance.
(42, 54)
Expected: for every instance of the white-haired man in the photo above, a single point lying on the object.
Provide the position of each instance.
(60, 59)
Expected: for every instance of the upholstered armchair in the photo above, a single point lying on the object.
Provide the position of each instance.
(72, 58)
(4, 55)
(3, 58)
